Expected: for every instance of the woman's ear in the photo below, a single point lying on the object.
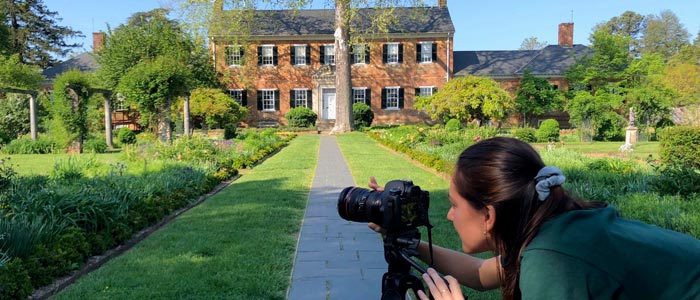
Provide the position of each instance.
(489, 218)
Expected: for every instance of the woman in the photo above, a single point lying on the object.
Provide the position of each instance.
(549, 245)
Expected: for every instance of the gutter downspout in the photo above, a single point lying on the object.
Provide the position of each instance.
(447, 69)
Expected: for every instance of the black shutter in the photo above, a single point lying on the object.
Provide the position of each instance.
(400, 53)
(309, 100)
(292, 51)
(260, 104)
(367, 53)
(244, 98)
(308, 54)
(291, 99)
(434, 90)
(274, 55)
(322, 50)
(417, 92)
(385, 48)
(277, 100)
(419, 48)
(368, 97)
(259, 55)
(383, 98)
(400, 97)
(434, 52)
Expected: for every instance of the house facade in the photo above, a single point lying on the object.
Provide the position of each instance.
(289, 61)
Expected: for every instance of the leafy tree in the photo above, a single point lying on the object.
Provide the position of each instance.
(599, 110)
(147, 44)
(629, 24)
(215, 107)
(532, 43)
(205, 16)
(71, 101)
(34, 33)
(467, 98)
(4, 33)
(645, 90)
(664, 35)
(15, 74)
(685, 80)
(536, 96)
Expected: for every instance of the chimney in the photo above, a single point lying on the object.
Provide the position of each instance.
(442, 3)
(98, 41)
(566, 35)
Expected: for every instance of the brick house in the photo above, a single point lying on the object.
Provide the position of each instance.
(508, 66)
(289, 61)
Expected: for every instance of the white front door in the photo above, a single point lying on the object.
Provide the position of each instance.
(328, 104)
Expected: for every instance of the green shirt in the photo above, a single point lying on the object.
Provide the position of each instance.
(594, 254)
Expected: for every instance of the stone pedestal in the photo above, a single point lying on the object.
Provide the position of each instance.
(632, 135)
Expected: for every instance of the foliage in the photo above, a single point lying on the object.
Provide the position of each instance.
(526, 134)
(15, 109)
(532, 43)
(35, 34)
(646, 92)
(216, 107)
(71, 101)
(664, 35)
(684, 78)
(680, 146)
(600, 111)
(467, 98)
(677, 179)
(14, 281)
(126, 136)
(629, 24)
(453, 125)
(362, 114)
(607, 63)
(548, 131)
(15, 74)
(25, 145)
(95, 145)
(536, 96)
(301, 117)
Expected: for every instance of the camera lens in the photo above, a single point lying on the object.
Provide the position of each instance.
(360, 205)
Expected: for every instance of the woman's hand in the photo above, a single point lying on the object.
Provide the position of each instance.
(373, 184)
(447, 289)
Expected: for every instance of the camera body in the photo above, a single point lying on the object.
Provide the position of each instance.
(401, 206)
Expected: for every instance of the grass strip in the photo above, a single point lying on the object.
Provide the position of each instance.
(366, 158)
(239, 244)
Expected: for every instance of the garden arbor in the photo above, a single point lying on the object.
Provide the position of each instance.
(32, 106)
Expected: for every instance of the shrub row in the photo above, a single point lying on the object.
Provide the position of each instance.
(680, 146)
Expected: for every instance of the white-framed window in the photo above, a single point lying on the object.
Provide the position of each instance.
(426, 52)
(268, 100)
(392, 53)
(359, 94)
(120, 103)
(360, 54)
(328, 54)
(299, 54)
(234, 55)
(425, 91)
(300, 98)
(392, 97)
(239, 95)
(267, 55)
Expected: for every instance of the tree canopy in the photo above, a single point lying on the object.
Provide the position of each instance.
(532, 43)
(15, 74)
(468, 98)
(536, 96)
(215, 107)
(33, 32)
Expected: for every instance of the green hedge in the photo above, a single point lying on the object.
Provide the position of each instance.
(548, 131)
(680, 146)
(528, 135)
(300, 117)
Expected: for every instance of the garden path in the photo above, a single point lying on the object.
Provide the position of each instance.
(335, 259)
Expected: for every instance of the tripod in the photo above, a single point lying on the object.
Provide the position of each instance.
(398, 250)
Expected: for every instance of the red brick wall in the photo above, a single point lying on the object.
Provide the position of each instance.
(409, 74)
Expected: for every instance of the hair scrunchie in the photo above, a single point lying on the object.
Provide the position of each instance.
(546, 178)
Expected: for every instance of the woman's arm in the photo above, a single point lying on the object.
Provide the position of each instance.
(476, 273)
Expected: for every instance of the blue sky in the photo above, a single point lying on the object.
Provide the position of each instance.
(479, 25)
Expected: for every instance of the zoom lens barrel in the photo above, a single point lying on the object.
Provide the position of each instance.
(360, 205)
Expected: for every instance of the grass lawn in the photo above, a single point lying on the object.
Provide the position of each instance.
(98, 164)
(366, 158)
(239, 244)
(642, 150)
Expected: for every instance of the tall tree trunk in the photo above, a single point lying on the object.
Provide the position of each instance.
(343, 118)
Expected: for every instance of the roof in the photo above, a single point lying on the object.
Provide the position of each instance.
(321, 21)
(84, 62)
(551, 61)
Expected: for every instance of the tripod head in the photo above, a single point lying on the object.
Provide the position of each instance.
(399, 247)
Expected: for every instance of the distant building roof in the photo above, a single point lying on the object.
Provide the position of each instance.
(551, 61)
(84, 62)
(321, 21)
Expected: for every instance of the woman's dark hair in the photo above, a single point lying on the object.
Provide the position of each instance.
(501, 172)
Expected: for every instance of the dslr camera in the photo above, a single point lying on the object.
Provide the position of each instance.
(401, 206)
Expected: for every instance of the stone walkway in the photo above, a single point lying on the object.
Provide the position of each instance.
(335, 259)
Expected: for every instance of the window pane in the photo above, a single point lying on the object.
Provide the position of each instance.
(393, 53)
(236, 95)
(358, 52)
(426, 91)
(267, 55)
(329, 54)
(359, 95)
(392, 98)
(268, 100)
(300, 55)
(233, 55)
(426, 52)
(300, 98)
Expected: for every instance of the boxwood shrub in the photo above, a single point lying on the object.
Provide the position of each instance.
(362, 115)
(680, 145)
(548, 131)
(300, 117)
